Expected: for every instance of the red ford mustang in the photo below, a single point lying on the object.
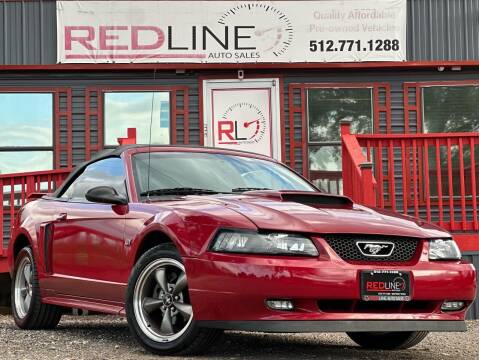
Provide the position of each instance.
(187, 242)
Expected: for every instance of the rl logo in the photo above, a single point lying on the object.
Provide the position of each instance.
(229, 131)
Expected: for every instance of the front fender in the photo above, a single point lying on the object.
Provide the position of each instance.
(189, 229)
(29, 233)
(167, 226)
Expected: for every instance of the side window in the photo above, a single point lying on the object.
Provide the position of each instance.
(107, 172)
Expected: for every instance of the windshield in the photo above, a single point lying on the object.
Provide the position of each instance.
(211, 173)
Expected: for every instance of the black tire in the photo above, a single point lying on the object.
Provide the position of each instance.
(388, 340)
(195, 340)
(39, 315)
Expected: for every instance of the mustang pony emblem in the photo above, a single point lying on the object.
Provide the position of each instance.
(375, 248)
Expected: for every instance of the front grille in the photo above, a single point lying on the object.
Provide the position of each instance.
(345, 246)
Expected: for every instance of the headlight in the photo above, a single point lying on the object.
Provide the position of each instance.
(271, 244)
(444, 249)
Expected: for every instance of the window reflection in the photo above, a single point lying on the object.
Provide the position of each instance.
(326, 108)
(26, 119)
(25, 161)
(216, 172)
(26, 139)
(449, 109)
(125, 110)
(107, 172)
(325, 168)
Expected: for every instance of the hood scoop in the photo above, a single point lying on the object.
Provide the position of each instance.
(313, 199)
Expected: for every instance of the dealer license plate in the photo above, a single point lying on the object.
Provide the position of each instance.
(385, 285)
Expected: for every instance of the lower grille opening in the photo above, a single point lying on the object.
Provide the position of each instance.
(377, 307)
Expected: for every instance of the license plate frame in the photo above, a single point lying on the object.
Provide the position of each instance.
(385, 285)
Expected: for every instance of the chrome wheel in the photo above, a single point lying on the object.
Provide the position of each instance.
(161, 302)
(23, 287)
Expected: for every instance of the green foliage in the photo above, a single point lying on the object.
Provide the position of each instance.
(326, 107)
(451, 109)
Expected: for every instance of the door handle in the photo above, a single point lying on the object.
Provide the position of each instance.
(61, 217)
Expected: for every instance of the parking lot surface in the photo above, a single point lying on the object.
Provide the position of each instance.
(107, 337)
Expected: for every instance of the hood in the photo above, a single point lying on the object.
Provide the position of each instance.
(307, 212)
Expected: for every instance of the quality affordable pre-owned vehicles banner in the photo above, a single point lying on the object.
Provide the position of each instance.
(231, 31)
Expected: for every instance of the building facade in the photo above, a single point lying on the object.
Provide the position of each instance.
(56, 115)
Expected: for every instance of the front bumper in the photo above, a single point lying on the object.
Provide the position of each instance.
(230, 290)
(337, 326)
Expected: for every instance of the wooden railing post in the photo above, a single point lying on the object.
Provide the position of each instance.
(30, 185)
(367, 184)
(345, 126)
(358, 179)
(346, 166)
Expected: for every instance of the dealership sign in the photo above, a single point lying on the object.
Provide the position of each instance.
(242, 119)
(231, 31)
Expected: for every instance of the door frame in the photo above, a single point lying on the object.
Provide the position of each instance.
(277, 106)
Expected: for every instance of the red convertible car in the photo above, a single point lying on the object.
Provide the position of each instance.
(187, 242)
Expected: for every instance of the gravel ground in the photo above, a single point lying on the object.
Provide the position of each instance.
(107, 337)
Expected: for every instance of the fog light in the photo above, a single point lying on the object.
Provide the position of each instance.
(280, 304)
(452, 305)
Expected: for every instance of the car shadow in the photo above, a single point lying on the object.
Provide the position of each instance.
(301, 346)
(238, 345)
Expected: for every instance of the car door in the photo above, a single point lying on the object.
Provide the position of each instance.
(88, 255)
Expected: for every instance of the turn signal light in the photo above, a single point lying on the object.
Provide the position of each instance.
(280, 304)
(452, 305)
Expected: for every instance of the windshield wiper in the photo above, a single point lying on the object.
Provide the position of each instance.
(179, 191)
(243, 189)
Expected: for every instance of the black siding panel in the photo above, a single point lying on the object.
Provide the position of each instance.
(28, 32)
(436, 30)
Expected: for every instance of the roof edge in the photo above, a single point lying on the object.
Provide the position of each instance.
(253, 66)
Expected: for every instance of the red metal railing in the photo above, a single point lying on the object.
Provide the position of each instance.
(432, 176)
(14, 192)
(358, 180)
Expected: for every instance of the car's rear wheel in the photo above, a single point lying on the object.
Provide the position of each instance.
(28, 310)
(158, 306)
(388, 340)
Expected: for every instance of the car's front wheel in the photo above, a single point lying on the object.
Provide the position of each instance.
(388, 340)
(158, 305)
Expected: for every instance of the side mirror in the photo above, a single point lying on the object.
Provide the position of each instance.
(105, 195)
